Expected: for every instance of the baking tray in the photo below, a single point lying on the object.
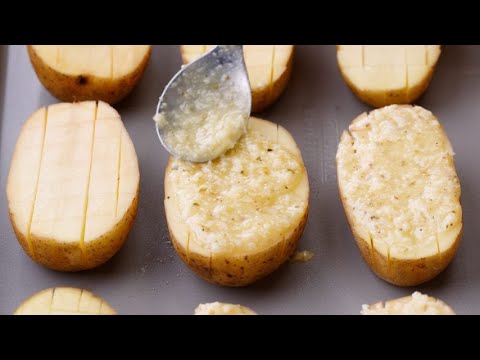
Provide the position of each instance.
(147, 277)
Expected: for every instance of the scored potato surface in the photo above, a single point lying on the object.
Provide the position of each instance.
(236, 219)
(268, 68)
(398, 182)
(89, 72)
(387, 74)
(104, 61)
(73, 178)
(239, 202)
(64, 301)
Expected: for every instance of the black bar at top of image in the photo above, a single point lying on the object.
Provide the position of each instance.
(243, 23)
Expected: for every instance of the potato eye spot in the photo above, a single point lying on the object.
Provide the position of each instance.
(82, 80)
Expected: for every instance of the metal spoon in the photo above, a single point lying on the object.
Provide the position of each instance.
(204, 109)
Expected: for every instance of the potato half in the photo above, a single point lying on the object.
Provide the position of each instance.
(401, 193)
(416, 304)
(382, 75)
(64, 301)
(73, 185)
(218, 308)
(89, 72)
(268, 66)
(236, 219)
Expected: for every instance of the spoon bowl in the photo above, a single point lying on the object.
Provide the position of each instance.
(204, 109)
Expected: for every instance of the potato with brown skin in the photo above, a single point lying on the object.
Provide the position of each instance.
(73, 185)
(401, 193)
(262, 232)
(89, 72)
(382, 75)
(269, 68)
(64, 301)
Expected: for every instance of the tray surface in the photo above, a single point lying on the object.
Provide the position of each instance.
(147, 277)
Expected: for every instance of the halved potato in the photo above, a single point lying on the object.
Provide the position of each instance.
(401, 193)
(73, 185)
(382, 75)
(64, 301)
(268, 66)
(236, 219)
(89, 72)
(218, 308)
(416, 304)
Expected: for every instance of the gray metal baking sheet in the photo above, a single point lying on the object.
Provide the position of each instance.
(147, 277)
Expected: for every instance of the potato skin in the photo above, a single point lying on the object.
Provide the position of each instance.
(85, 87)
(68, 257)
(263, 98)
(103, 248)
(378, 99)
(240, 270)
(401, 272)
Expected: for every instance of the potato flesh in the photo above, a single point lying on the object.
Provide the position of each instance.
(265, 63)
(76, 179)
(242, 201)
(416, 304)
(24, 170)
(65, 167)
(388, 68)
(104, 173)
(398, 180)
(103, 61)
(64, 301)
(218, 308)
